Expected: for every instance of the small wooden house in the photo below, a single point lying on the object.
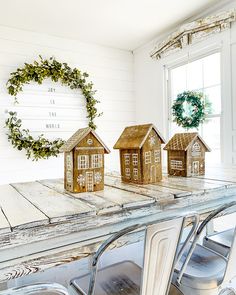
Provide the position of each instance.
(140, 154)
(186, 154)
(84, 162)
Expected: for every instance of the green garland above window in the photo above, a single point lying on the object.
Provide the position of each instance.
(42, 148)
(194, 112)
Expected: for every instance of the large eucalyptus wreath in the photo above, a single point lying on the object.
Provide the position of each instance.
(42, 148)
(198, 107)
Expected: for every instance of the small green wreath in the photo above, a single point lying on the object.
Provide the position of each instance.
(198, 107)
(42, 148)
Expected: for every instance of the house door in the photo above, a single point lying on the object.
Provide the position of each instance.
(195, 168)
(153, 173)
(89, 181)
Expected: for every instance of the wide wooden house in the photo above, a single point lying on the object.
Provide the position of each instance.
(84, 161)
(186, 154)
(140, 154)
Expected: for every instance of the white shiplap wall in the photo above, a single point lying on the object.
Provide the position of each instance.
(111, 71)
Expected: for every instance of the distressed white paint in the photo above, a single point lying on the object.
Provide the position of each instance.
(73, 238)
(55, 205)
(56, 110)
(160, 249)
(18, 210)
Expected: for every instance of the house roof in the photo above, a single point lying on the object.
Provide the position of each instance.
(135, 136)
(182, 141)
(78, 136)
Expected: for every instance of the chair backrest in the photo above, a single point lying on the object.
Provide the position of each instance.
(161, 244)
(230, 272)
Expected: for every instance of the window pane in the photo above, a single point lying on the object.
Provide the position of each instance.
(178, 81)
(214, 96)
(211, 134)
(201, 75)
(194, 75)
(211, 65)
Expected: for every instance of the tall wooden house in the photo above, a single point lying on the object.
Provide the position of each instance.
(84, 162)
(140, 154)
(186, 154)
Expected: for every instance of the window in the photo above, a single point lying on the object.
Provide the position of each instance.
(176, 165)
(97, 161)
(127, 172)
(135, 173)
(83, 162)
(135, 159)
(127, 159)
(157, 156)
(147, 157)
(201, 75)
(69, 177)
(69, 162)
(196, 149)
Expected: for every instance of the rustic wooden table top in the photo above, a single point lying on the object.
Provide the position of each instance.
(41, 225)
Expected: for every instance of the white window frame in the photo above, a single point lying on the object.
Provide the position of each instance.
(157, 156)
(69, 162)
(135, 159)
(196, 149)
(148, 157)
(127, 173)
(176, 164)
(83, 162)
(69, 176)
(127, 159)
(96, 160)
(195, 52)
(135, 173)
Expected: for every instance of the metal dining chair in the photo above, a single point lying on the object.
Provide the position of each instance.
(37, 289)
(202, 271)
(161, 243)
(220, 242)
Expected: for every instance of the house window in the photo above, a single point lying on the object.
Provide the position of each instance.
(148, 157)
(97, 161)
(83, 162)
(135, 159)
(176, 165)
(127, 159)
(196, 149)
(69, 177)
(202, 75)
(68, 162)
(127, 172)
(135, 173)
(157, 156)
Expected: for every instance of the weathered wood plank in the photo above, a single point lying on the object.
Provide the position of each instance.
(116, 182)
(155, 187)
(4, 224)
(220, 174)
(192, 184)
(99, 204)
(19, 211)
(9, 269)
(124, 198)
(56, 206)
(38, 262)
